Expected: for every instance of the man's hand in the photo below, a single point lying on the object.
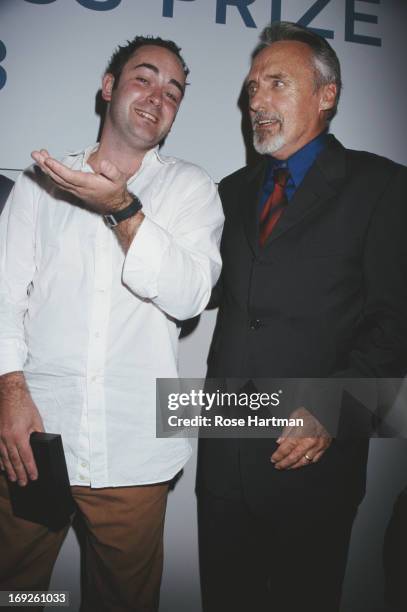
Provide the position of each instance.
(103, 192)
(300, 446)
(19, 417)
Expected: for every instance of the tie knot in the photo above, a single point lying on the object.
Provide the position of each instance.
(280, 176)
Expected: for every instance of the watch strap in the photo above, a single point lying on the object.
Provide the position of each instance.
(132, 209)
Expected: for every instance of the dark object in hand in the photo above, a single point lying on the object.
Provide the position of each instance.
(47, 500)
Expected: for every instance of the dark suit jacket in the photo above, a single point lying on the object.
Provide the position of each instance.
(326, 297)
(6, 186)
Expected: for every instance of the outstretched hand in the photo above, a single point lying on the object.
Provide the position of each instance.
(104, 192)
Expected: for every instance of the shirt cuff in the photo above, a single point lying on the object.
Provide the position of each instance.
(143, 261)
(12, 356)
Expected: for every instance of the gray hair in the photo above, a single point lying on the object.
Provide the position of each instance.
(327, 68)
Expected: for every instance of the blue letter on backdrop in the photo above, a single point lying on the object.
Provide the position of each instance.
(40, 1)
(96, 5)
(168, 7)
(351, 16)
(241, 5)
(3, 73)
(275, 10)
(312, 12)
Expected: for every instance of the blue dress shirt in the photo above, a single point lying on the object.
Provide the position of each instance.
(298, 165)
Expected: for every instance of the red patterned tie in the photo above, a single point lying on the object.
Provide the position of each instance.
(274, 206)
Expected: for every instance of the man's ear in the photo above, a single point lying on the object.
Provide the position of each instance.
(328, 96)
(107, 86)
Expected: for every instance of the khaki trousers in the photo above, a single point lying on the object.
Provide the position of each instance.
(124, 547)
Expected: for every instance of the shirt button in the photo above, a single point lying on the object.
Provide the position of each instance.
(84, 464)
(82, 477)
(97, 335)
(255, 324)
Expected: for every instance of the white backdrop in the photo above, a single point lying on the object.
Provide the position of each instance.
(52, 56)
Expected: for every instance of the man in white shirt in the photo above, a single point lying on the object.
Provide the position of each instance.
(100, 257)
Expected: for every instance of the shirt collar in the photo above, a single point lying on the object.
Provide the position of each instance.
(302, 160)
(151, 156)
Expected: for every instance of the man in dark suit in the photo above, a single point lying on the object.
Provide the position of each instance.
(314, 285)
(6, 186)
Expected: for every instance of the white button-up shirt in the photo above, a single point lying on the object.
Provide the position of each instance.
(93, 328)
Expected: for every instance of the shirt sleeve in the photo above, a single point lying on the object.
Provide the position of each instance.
(17, 266)
(176, 266)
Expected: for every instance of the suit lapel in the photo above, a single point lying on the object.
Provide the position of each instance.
(248, 203)
(320, 185)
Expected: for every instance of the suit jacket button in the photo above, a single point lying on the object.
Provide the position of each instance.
(255, 324)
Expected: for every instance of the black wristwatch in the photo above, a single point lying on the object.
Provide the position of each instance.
(115, 218)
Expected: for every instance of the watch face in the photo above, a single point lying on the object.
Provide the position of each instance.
(110, 220)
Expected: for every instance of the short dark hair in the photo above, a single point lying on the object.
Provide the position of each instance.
(122, 54)
(326, 63)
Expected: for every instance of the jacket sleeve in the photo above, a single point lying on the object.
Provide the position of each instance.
(378, 355)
